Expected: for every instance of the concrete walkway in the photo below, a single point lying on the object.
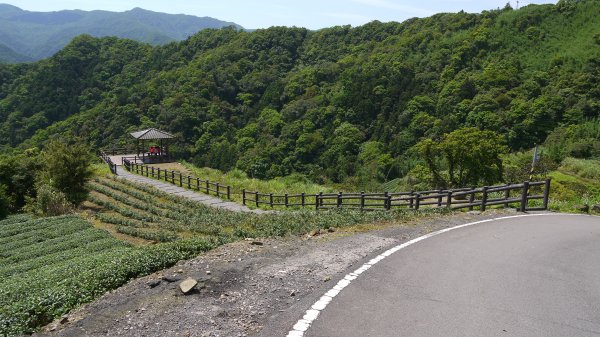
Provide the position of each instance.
(185, 193)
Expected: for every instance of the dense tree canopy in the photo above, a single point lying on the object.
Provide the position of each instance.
(327, 103)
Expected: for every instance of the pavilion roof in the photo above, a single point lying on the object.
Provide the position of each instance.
(151, 134)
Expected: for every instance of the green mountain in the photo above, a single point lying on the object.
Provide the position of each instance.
(38, 35)
(8, 55)
(333, 104)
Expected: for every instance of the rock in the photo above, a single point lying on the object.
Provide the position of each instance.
(583, 208)
(208, 272)
(153, 283)
(293, 293)
(331, 230)
(64, 319)
(171, 279)
(596, 208)
(257, 243)
(187, 285)
(327, 279)
(179, 271)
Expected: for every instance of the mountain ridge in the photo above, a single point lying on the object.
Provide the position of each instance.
(37, 35)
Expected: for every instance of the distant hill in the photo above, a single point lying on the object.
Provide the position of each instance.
(27, 36)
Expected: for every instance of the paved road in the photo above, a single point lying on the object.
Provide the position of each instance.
(529, 276)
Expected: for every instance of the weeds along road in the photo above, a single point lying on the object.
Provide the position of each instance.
(523, 276)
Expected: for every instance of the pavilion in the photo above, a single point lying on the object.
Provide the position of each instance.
(153, 145)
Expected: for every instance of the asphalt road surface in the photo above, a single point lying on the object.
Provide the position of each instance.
(526, 276)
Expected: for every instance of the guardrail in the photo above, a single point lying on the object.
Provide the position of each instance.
(519, 195)
(105, 157)
(177, 178)
(455, 198)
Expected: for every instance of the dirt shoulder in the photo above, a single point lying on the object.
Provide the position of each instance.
(245, 288)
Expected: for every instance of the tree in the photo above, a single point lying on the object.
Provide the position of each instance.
(66, 169)
(467, 156)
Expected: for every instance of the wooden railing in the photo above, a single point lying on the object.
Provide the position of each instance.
(518, 195)
(454, 199)
(177, 178)
(112, 166)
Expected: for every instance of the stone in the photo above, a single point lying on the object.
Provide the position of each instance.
(187, 285)
(596, 208)
(153, 283)
(583, 208)
(64, 319)
(257, 243)
(171, 278)
(331, 230)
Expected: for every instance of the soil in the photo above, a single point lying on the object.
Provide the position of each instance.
(257, 287)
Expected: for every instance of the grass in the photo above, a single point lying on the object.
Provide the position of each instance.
(576, 183)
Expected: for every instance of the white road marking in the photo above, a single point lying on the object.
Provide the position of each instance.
(311, 314)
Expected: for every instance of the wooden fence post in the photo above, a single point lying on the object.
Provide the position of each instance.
(173, 177)
(317, 201)
(159, 173)
(472, 197)
(524, 198)
(362, 199)
(412, 200)
(256, 198)
(385, 195)
(218, 192)
(546, 193)
(417, 201)
(339, 200)
(440, 197)
(449, 200)
(198, 184)
(189, 182)
(484, 197)
(152, 171)
(320, 199)
(228, 192)
(244, 196)
(180, 180)
(303, 199)
(286, 200)
(271, 199)
(207, 187)
(507, 195)
(389, 202)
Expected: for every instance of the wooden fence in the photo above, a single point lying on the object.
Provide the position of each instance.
(470, 198)
(177, 178)
(112, 166)
(518, 195)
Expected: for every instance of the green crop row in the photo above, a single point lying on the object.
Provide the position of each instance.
(158, 235)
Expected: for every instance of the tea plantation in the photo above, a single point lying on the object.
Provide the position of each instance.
(49, 266)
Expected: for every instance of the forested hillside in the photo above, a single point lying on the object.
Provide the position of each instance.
(333, 104)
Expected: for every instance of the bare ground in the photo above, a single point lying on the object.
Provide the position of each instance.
(245, 289)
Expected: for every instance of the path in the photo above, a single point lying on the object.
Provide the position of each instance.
(524, 276)
(185, 193)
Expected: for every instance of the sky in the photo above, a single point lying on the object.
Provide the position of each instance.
(312, 14)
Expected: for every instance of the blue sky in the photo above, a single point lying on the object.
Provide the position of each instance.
(313, 14)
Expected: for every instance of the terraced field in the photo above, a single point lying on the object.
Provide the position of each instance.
(49, 266)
